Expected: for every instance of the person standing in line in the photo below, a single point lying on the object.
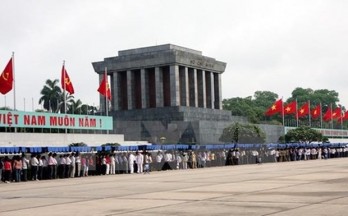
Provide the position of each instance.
(72, 165)
(40, 167)
(148, 161)
(184, 160)
(25, 164)
(103, 165)
(194, 160)
(1, 168)
(17, 163)
(78, 164)
(83, 165)
(55, 167)
(319, 153)
(139, 161)
(125, 163)
(50, 166)
(107, 161)
(159, 159)
(131, 160)
(61, 167)
(45, 170)
(67, 166)
(118, 164)
(119, 159)
(112, 164)
(34, 163)
(7, 170)
(178, 160)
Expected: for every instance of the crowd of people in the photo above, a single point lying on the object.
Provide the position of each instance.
(37, 167)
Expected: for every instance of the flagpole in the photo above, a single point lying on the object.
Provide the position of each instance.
(64, 86)
(341, 122)
(309, 113)
(106, 95)
(14, 87)
(283, 112)
(14, 83)
(321, 116)
(331, 117)
(296, 114)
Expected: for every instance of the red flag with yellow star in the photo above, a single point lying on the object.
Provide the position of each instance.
(304, 110)
(316, 112)
(6, 78)
(275, 108)
(290, 108)
(104, 88)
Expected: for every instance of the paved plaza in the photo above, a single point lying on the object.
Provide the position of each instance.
(318, 187)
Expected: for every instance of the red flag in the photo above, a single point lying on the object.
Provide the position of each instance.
(68, 86)
(328, 115)
(104, 88)
(344, 117)
(304, 110)
(316, 111)
(290, 108)
(337, 113)
(6, 78)
(275, 108)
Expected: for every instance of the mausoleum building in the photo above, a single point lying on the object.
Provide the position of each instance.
(165, 93)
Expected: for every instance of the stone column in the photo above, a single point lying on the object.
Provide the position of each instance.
(174, 85)
(204, 89)
(114, 91)
(130, 90)
(143, 89)
(187, 91)
(219, 90)
(159, 87)
(212, 90)
(195, 86)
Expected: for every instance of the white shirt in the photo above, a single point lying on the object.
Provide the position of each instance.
(131, 158)
(140, 159)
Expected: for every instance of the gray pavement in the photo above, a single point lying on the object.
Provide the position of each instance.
(317, 187)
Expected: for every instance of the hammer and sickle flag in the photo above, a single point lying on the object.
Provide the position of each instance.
(6, 78)
(66, 82)
(104, 88)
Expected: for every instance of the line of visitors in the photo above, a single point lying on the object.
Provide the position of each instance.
(38, 167)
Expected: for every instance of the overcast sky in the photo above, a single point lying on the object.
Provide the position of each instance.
(268, 45)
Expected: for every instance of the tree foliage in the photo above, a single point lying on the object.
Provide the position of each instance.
(51, 94)
(243, 133)
(303, 135)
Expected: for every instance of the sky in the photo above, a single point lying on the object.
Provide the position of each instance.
(269, 45)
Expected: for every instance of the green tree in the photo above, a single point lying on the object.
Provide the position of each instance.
(69, 100)
(75, 107)
(243, 133)
(303, 135)
(51, 94)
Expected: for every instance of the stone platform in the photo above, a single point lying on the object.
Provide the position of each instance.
(292, 188)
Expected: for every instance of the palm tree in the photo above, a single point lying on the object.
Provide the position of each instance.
(88, 110)
(69, 101)
(51, 94)
(75, 107)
